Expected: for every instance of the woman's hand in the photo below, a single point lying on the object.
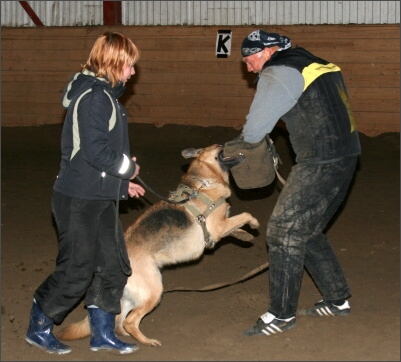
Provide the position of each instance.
(135, 190)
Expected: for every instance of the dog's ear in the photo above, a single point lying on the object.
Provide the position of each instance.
(190, 152)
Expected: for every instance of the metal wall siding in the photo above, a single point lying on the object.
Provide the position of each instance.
(53, 13)
(204, 13)
(12, 14)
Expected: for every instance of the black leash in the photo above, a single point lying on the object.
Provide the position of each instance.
(159, 196)
(121, 248)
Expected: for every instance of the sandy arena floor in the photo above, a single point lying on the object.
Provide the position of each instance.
(207, 325)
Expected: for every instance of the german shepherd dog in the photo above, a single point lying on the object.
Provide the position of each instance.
(169, 233)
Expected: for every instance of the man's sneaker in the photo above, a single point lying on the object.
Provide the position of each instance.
(268, 324)
(328, 309)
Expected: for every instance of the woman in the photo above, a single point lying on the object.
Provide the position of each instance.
(95, 173)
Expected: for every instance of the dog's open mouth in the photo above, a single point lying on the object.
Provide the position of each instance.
(231, 161)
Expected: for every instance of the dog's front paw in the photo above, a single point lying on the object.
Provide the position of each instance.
(242, 235)
(254, 223)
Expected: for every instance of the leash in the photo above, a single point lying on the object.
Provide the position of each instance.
(281, 178)
(276, 158)
(216, 286)
(160, 196)
(121, 248)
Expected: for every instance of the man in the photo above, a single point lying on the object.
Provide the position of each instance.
(309, 95)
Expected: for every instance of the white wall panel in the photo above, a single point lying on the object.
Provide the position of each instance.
(53, 13)
(203, 13)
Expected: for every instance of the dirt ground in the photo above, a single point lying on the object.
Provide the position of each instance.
(208, 325)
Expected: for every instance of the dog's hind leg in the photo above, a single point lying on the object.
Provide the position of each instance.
(127, 304)
(146, 292)
(131, 323)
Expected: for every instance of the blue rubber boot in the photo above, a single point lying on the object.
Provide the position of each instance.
(103, 335)
(40, 333)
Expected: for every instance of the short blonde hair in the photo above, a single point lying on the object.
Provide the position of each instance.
(109, 54)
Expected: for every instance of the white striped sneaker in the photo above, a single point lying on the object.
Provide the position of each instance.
(268, 324)
(327, 309)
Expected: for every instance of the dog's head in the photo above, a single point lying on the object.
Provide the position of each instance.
(212, 155)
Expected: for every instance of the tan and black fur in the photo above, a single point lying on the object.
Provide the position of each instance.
(168, 234)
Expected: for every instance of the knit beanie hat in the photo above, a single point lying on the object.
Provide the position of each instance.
(256, 41)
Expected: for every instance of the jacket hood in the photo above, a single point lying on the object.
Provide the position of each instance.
(85, 80)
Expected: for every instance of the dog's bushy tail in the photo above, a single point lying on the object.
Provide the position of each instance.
(73, 331)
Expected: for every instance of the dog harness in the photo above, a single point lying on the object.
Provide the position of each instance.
(184, 192)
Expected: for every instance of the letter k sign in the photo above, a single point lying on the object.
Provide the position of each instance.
(223, 43)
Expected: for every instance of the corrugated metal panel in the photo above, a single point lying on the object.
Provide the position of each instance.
(53, 13)
(203, 13)
(259, 12)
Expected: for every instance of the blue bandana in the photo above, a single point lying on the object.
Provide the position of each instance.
(256, 41)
